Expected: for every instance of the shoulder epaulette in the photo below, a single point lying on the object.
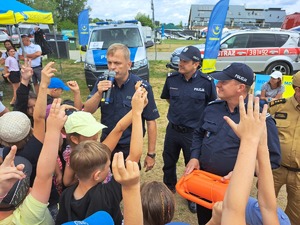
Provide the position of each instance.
(207, 76)
(218, 101)
(173, 74)
(276, 102)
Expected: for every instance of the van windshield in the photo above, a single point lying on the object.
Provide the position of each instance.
(102, 39)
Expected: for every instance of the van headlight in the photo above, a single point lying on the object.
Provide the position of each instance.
(89, 61)
(91, 67)
(138, 64)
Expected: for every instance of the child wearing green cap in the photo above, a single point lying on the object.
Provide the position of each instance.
(90, 161)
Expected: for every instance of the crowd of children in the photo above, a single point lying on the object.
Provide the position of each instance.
(54, 149)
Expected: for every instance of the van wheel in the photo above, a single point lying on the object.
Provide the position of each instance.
(279, 66)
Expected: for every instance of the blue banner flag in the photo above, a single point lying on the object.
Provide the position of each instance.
(83, 27)
(162, 31)
(214, 34)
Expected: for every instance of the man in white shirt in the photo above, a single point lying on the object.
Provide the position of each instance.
(34, 53)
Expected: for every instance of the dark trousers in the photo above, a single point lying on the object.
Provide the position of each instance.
(203, 214)
(174, 142)
(122, 148)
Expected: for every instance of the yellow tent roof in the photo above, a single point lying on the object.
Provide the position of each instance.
(14, 12)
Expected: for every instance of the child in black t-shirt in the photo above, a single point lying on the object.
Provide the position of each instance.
(90, 160)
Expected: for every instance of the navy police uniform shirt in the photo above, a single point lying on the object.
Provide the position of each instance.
(216, 145)
(188, 98)
(120, 105)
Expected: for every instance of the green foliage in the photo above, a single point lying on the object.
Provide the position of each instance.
(49, 5)
(144, 19)
(70, 9)
(66, 25)
(95, 20)
(180, 24)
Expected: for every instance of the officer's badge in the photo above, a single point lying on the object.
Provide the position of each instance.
(280, 115)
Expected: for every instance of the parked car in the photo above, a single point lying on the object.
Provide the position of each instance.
(185, 36)
(250, 28)
(297, 29)
(263, 51)
(4, 36)
(170, 36)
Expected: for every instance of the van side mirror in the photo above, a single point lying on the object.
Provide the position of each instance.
(224, 46)
(149, 44)
(83, 48)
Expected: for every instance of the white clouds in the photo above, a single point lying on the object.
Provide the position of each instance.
(171, 11)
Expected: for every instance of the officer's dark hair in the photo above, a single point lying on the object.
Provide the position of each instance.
(200, 64)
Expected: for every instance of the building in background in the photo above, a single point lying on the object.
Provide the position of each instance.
(238, 16)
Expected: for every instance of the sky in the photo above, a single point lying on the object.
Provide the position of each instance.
(172, 11)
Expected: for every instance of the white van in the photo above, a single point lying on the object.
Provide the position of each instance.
(106, 33)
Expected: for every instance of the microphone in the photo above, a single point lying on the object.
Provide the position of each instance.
(111, 77)
(105, 76)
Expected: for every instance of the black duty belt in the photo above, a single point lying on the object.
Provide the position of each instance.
(297, 170)
(182, 129)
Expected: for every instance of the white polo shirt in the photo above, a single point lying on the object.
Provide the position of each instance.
(30, 49)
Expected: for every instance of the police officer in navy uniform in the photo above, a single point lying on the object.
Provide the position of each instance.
(122, 90)
(188, 91)
(215, 146)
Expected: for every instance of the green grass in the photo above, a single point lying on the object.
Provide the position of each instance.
(169, 45)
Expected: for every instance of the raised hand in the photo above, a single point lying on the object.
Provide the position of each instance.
(252, 123)
(26, 70)
(139, 100)
(47, 73)
(126, 176)
(138, 84)
(72, 84)
(57, 116)
(9, 173)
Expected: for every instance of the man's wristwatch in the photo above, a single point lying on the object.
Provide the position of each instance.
(151, 155)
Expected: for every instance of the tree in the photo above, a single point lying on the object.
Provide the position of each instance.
(95, 20)
(42, 5)
(70, 9)
(180, 24)
(144, 19)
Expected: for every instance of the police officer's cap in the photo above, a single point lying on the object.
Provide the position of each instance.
(190, 53)
(236, 71)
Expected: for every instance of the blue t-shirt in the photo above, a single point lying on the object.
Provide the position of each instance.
(272, 92)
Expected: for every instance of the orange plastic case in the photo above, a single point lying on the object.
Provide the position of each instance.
(202, 187)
